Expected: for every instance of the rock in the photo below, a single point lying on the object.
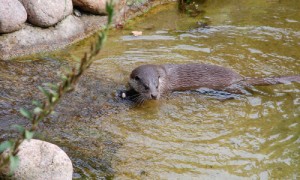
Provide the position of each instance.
(32, 39)
(92, 6)
(41, 160)
(12, 15)
(45, 13)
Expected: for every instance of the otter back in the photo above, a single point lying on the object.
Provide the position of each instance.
(193, 76)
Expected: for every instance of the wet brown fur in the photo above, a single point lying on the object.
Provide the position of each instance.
(151, 81)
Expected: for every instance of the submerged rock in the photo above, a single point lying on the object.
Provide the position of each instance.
(12, 15)
(47, 13)
(41, 160)
(92, 6)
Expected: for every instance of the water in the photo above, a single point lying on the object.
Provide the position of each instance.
(185, 135)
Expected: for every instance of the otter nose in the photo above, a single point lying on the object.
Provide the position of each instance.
(153, 96)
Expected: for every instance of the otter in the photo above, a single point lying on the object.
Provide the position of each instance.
(151, 81)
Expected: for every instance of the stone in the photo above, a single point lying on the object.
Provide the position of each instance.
(45, 13)
(41, 160)
(32, 39)
(91, 6)
(12, 16)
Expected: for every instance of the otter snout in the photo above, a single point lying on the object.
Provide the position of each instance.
(153, 96)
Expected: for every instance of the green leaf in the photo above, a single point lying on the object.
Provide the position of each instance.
(37, 110)
(54, 98)
(44, 91)
(76, 58)
(110, 11)
(5, 145)
(53, 93)
(13, 163)
(18, 127)
(37, 103)
(26, 113)
(64, 77)
(28, 135)
(52, 86)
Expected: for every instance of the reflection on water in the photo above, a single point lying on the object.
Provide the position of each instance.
(185, 135)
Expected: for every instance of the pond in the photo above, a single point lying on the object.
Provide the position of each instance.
(185, 135)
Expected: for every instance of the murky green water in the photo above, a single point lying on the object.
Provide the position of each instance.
(184, 135)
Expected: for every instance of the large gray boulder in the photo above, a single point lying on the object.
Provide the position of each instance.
(46, 13)
(32, 39)
(92, 6)
(12, 15)
(40, 160)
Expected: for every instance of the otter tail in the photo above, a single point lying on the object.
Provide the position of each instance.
(272, 80)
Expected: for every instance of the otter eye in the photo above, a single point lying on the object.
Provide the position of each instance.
(136, 78)
(146, 87)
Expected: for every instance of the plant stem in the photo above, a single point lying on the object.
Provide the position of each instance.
(56, 92)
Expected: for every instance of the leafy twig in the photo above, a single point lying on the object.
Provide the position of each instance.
(53, 93)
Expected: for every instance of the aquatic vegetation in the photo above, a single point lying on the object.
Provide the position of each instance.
(191, 7)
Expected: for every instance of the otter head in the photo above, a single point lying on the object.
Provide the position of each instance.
(146, 80)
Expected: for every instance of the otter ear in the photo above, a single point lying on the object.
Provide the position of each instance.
(136, 78)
